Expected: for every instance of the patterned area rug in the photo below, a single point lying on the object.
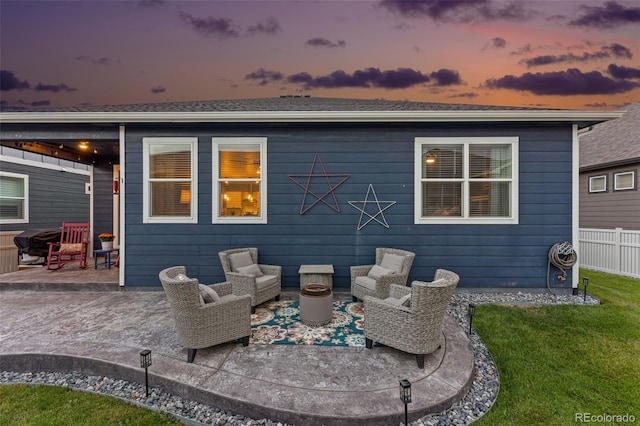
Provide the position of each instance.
(278, 323)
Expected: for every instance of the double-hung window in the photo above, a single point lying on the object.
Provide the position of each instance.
(240, 179)
(466, 180)
(14, 198)
(170, 180)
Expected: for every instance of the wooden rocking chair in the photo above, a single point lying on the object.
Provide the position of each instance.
(73, 245)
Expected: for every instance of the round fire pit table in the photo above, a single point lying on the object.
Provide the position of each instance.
(316, 304)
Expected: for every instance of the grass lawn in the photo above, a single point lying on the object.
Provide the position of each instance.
(54, 405)
(557, 362)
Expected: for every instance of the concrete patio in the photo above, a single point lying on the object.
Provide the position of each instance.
(69, 326)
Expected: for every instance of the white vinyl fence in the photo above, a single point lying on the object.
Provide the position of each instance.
(610, 250)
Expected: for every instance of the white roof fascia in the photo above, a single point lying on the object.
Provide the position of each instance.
(308, 116)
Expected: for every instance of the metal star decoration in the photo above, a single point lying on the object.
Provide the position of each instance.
(307, 184)
(378, 204)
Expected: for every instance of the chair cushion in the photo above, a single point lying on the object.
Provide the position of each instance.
(392, 261)
(240, 259)
(252, 270)
(265, 281)
(208, 294)
(403, 301)
(181, 277)
(366, 282)
(70, 248)
(378, 271)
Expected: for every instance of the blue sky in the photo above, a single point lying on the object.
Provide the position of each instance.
(551, 54)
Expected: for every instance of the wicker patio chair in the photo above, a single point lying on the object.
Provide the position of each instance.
(417, 328)
(394, 264)
(247, 276)
(199, 324)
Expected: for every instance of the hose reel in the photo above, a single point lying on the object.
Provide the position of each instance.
(563, 257)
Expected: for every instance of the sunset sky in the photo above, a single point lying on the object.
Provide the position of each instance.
(577, 54)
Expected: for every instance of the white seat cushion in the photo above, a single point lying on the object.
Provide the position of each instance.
(208, 294)
(252, 270)
(265, 281)
(378, 271)
(366, 282)
(392, 261)
(240, 259)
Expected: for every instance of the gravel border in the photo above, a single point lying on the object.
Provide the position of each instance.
(480, 398)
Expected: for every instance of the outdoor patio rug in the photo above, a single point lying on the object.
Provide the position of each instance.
(278, 323)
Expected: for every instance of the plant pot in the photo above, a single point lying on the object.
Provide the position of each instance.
(107, 245)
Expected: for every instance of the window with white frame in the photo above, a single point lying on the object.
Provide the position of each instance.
(598, 183)
(170, 179)
(624, 181)
(239, 174)
(14, 198)
(466, 180)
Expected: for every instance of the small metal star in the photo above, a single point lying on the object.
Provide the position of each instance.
(363, 209)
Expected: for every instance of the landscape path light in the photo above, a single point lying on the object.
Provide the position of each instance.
(145, 362)
(405, 396)
(585, 283)
(472, 312)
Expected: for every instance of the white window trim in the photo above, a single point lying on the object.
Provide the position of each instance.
(633, 180)
(262, 142)
(465, 220)
(595, 191)
(25, 183)
(146, 143)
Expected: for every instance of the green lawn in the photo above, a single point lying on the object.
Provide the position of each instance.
(54, 405)
(558, 362)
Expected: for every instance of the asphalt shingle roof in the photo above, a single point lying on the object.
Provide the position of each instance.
(613, 141)
(283, 103)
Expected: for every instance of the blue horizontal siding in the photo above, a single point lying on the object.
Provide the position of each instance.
(484, 255)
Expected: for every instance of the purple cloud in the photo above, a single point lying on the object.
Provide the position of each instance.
(158, 89)
(400, 78)
(8, 81)
(323, 42)
(152, 4)
(609, 16)
(562, 83)
(89, 59)
(269, 26)
(446, 77)
(40, 103)
(264, 77)
(221, 28)
(467, 95)
(55, 88)
(458, 11)
(622, 72)
(614, 50)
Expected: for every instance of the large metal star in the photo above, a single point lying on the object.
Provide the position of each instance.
(378, 204)
(319, 198)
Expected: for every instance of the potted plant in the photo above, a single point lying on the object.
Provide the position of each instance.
(107, 240)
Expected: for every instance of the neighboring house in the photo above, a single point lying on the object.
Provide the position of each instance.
(609, 166)
(484, 191)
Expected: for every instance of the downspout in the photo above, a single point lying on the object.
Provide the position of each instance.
(575, 206)
(121, 234)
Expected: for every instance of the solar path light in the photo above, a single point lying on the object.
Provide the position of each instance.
(405, 396)
(145, 362)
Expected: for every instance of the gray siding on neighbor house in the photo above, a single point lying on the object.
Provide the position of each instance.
(381, 155)
(54, 197)
(611, 209)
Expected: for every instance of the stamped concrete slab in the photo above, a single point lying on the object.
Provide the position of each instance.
(104, 332)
